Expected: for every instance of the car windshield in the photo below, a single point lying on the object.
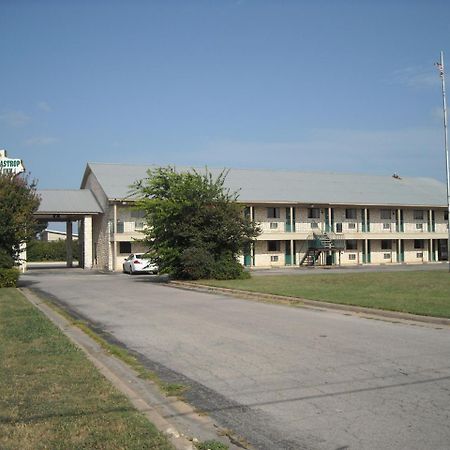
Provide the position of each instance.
(139, 256)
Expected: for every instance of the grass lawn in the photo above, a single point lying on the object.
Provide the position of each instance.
(52, 397)
(422, 292)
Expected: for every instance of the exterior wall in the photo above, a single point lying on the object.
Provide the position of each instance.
(129, 229)
(413, 255)
(100, 230)
(50, 235)
(381, 255)
(405, 227)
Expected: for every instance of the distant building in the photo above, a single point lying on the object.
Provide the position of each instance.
(306, 218)
(53, 235)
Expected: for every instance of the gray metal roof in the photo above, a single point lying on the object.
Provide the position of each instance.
(73, 201)
(279, 186)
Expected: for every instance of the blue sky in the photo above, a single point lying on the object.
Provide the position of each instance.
(345, 86)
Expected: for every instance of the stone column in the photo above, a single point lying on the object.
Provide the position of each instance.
(87, 238)
(69, 258)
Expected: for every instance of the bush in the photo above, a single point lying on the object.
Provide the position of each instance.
(9, 277)
(6, 260)
(227, 268)
(50, 250)
(196, 262)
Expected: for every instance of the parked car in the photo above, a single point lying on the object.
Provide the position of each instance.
(139, 262)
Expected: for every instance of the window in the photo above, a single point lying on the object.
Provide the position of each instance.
(313, 213)
(273, 246)
(446, 215)
(418, 243)
(273, 225)
(387, 256)
(419, 226)
(137, 213)
(139, 225)
(120, 226)
(418, 214)
(352, 257)
(339, 228)
(350, 213)
(351, 244)
(385, 214)
(419, 255)
(273, 258)
(386, 226)
(386, 244)
(273, 213)
(314, 225)
(124, 247)
(351, 225)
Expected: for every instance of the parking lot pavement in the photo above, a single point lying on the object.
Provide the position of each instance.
(284, 378)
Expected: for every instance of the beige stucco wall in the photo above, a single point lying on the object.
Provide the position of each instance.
(303, 229)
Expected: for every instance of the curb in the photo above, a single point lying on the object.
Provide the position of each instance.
(108, 366)
(312, 304)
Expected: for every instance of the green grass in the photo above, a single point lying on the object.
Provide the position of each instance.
(211, 445)
(53, 397)
(419, 292)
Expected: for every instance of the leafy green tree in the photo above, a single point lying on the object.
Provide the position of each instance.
(196, 227)
(18, 201)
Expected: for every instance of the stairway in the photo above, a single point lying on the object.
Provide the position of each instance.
(318, 243)
(310, 258)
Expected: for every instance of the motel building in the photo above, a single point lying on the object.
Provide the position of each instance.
(306, 218)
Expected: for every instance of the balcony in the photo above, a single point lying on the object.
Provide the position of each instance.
(127, 228)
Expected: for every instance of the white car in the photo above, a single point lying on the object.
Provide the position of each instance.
(139, 263)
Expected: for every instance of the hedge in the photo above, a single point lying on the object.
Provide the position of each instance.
(50, 250)
(9, 277)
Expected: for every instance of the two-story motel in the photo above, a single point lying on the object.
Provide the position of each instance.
(306, 218)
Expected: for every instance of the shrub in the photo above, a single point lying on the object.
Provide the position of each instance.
(50, 250)
(9, 277)
(227, 268)
(6, 260)
(196, 262)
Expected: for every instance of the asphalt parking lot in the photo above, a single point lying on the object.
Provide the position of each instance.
(282, 377)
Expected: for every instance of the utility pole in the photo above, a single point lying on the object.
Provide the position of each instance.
(440, 66)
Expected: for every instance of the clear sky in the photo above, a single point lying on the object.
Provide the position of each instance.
(345, 86)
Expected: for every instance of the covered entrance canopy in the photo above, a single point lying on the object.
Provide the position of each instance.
(74, 205)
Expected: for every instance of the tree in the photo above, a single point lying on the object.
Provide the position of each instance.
(18, 202)
(195, 227)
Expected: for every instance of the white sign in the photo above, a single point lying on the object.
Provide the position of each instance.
(12, 166)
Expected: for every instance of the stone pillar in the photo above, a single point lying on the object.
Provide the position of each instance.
(87, 242)
(69, 258)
